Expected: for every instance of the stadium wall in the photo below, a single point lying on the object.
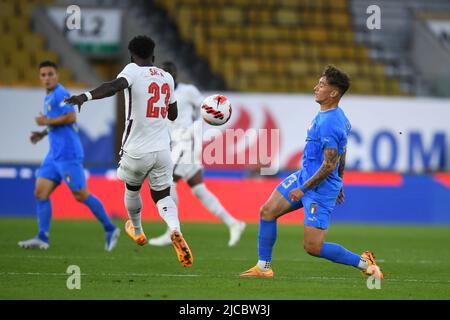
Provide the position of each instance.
(395, 145)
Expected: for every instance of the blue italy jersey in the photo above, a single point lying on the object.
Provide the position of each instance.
(64, 140)
(329, 129)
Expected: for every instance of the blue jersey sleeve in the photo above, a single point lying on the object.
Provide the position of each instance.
(59, 101)
(329, 135)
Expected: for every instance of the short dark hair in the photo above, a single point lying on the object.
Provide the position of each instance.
(48, 63)
(337, 78)
(142, 46)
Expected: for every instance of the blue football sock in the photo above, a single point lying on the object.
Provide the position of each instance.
(44, 214)
(99, 211)
(266, 239)
(337, 253)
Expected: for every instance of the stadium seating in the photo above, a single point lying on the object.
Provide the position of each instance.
(21, 49)
(278, 46)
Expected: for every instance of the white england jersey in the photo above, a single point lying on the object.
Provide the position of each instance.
(189, 101)
(147, 98)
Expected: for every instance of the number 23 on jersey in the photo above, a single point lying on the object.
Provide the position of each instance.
(152, 111)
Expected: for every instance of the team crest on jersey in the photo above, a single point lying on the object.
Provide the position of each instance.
(68, 178)
(313, 208)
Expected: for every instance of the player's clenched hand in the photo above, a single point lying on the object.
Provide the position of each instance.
(295, 195)
(78, 100)
(36, 136)
(41, 120)
(341, 196)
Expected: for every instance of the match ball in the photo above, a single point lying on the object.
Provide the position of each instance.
(216, 110)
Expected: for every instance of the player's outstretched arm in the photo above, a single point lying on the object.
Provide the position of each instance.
(330, 161)
(106, 89)
(172, 112)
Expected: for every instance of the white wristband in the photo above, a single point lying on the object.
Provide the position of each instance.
(88, 95)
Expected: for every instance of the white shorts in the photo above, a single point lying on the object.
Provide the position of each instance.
(157, 166)
(186, 164)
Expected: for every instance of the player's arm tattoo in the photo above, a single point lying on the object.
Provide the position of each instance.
(172, 112)
(341, 165)
(110, 88)
(331, 158)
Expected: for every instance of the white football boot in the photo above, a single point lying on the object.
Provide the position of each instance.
(34, 243)
(236, 231)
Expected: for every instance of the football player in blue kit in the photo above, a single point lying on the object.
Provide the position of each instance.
(317, 187)
(64, 161)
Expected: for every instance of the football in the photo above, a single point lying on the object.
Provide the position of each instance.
(216, 110)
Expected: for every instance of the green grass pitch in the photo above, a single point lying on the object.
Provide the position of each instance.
(415, 260)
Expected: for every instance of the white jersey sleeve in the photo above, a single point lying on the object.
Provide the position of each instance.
(130, 72)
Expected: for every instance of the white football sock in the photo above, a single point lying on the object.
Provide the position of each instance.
(264, 265)
(169, 212)
(174, 194)
(212, 204)
(363, 264)
(133, 204)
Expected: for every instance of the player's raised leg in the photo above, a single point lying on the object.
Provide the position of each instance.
(275, 207)
(316, 222)
(160, 180)
(314, 245)
(43, 189)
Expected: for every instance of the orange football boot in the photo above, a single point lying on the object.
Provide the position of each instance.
(373, 268)
(257, 272)
(139, 239)
(184, 254)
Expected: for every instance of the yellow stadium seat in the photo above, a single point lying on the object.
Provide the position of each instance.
(32, 41)
(65, 75)
(248, 65)
(299, 67)
(21, 58)
(232, 15)
(286, 17)
(43, 55)
(17, 25)
(7, 9)
(9, 75)
(8, 42)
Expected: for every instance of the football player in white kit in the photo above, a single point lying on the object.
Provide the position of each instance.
(189, 101)
(145, 153)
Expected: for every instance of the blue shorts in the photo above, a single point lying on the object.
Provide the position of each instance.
(72, 172)
(317, 210)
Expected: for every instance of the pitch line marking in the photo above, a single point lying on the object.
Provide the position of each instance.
(198, 275)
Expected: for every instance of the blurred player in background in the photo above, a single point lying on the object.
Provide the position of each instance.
(64, 161)
(189, 101)
(150, 98)
(317, 187)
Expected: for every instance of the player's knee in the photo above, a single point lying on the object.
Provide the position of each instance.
(266, 213)
(158, 195)
(80, 196)
(312, 247)
(41, 194)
